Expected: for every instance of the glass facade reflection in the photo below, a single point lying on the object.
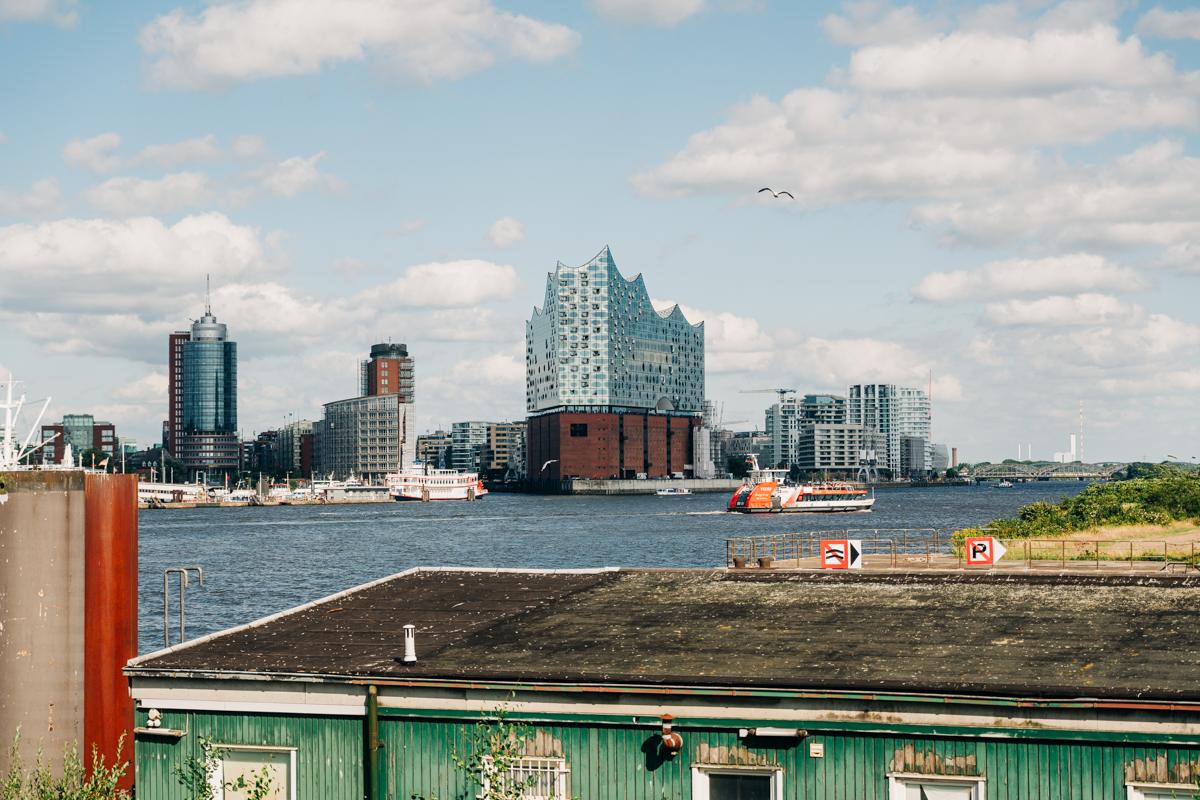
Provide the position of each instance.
(598, 343)
(209, 397)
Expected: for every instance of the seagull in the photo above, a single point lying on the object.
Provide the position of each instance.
(548, 463)
(775, 193)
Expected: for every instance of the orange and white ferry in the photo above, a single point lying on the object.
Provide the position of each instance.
(420, 482)
(765, 492)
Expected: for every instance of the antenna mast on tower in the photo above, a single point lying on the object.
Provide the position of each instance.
(207, 296)
(1081, 461)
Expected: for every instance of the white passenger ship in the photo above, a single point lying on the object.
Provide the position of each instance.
(421, 482)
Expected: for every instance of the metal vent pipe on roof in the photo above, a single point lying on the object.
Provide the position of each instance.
(410, 644)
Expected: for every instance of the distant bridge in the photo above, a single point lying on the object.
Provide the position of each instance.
(1047, 472)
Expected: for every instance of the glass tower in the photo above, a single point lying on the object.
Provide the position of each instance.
(598, 344)
(209, 398)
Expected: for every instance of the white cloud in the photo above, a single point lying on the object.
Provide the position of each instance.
(350, 268)
(454, 284)
(126, 196)
(1165, 24)
(731, 343)
(974, 63)
(661, 13)
(292, 176)
(247, 147)
(149, 389)
(3, 138)
(423, 40)
(469, 325)
(95, 154)
(873, 22)
(412, 226)
(1021, 277)
(60, 12)
(192, 151)
(134, 266)
(42, 199)
(1084, 309)
(960, 124)
(506, 231)
(1148, 197)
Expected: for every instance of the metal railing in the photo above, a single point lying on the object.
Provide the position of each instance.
(926, 544)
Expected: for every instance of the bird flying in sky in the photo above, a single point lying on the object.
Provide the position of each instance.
(775, 193)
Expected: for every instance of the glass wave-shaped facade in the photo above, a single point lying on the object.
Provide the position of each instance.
(598, 343)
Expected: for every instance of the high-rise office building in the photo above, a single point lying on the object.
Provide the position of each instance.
(613, 387)
(374, 434)
(201, 428)
(895, 413)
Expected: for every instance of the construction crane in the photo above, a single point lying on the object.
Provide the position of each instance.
(780, 392)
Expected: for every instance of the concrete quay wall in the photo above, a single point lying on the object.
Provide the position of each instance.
(649, 487)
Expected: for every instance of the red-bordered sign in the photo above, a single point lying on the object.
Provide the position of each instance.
(984, 551)
(841, 554)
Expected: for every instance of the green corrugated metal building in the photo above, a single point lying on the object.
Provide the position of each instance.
(778, 685)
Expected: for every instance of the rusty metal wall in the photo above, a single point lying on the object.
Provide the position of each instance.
(42, 663)
(110, 614)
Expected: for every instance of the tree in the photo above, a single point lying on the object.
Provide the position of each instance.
(951, 474)
(737, 466)
(94, 455)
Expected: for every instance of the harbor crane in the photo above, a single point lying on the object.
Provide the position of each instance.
(780, 392)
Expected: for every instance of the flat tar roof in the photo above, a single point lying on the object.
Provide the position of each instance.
(981, 633)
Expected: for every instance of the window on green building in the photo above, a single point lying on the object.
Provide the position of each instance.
(934, 787)
(726, 783)
(248, 762)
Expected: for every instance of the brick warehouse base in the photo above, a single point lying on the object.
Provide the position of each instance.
(610, 445)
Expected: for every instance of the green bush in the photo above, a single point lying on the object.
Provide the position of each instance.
(1168, 496)
(40, 783)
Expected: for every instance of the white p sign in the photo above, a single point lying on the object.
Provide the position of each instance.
(984, 551)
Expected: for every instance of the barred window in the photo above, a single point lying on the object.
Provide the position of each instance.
(536, 778)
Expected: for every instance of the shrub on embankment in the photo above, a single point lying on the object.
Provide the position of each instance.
(1168, 496)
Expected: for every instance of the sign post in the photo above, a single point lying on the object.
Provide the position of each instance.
(841, 554)
(983, 551)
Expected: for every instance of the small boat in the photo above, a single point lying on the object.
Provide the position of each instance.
(1003, 485)
(672, 491)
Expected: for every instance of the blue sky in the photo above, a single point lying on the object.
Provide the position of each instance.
(1006, 195)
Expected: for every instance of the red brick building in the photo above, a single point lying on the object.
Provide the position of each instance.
(83, 432)
(621, 444)
(173, 432)
(388, 371)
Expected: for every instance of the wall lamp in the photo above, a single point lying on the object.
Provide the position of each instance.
(774, 733)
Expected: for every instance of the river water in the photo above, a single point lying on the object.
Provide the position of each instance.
(258, 561)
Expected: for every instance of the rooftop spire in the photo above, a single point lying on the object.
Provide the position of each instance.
(207, 296)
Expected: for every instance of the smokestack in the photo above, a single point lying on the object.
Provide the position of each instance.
(410, 644)
(954, 456)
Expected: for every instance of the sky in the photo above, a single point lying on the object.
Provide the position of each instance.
(1001, 199)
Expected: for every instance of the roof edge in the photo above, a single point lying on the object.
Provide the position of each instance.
(346, 592)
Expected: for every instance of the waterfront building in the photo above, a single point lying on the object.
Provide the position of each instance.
(82, 432)
(893, 412)
(745, 443)
(836, 448)
(614, 388)
(506, 448)
(939, 457)
(295, 445)
(374, 434)
(469, 443)
(787, 420)
(696, 685)
(434, 448)
(201, 429)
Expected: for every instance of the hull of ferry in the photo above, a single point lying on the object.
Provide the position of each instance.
(770, 497)
(438, 484)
